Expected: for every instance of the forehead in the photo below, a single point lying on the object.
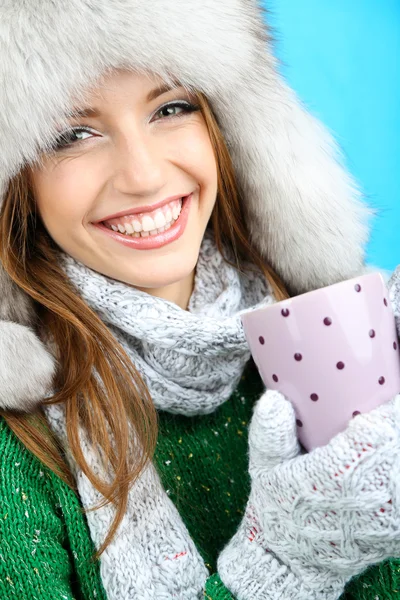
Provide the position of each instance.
(120, 86)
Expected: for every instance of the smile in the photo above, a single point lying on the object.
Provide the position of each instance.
(151, 223)
(150, 230)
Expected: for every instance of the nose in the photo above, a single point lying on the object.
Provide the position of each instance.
(139, 166)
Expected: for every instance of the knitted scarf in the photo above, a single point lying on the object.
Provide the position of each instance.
(191, 362)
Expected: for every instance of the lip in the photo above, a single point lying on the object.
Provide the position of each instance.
(152, 241)
(141, 209)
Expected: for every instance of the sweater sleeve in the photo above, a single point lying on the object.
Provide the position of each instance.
(35, 563)
(215, 589)
(380, 581)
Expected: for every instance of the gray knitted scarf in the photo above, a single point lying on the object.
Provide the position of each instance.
(191, 361)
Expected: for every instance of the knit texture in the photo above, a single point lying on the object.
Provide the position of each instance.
(60, 569)
(203, 463)
(215, 589)
(314, 521)
(45, 544)
(190, 360)
(152, 554)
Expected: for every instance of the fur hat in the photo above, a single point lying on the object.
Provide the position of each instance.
(302, 208)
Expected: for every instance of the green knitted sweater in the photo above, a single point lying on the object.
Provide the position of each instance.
(45, 544)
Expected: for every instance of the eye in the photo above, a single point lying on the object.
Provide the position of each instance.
(175, 109)
(71, 137)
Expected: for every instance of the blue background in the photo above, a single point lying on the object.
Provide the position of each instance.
(343, 59)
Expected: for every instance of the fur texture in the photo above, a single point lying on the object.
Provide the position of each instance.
(26, 368)
(304, 211)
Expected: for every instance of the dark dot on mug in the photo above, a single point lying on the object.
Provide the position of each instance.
(385, 301)
(275, 378)
(381, 380)
(357, 287)
(356, 412)
(340, 365)
(261, 340)
(314, 397)
(285, 312)
(327, 321)
(371, 333)
(395, 345)
(298, 356)
(299, 423)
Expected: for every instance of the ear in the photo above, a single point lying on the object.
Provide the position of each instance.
(26, 366)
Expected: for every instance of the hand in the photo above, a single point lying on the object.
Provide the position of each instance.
(313, 521)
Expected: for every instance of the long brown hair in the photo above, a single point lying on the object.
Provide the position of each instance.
(102, 390)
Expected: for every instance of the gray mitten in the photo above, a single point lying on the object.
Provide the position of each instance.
(313, 521)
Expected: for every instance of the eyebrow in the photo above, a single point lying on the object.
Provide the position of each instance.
(94, 112)
(159, 91)
(85, 112)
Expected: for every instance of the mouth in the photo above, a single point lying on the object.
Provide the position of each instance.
(150, 223)
(150, 229)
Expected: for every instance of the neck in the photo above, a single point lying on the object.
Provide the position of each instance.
(178, 292)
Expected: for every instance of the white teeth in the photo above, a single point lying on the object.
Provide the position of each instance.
(148, 223)
(144, 233)
(168, 215)
(151, 226)
(128, 228)
(159, 219)
(137, 226)
(177, 209)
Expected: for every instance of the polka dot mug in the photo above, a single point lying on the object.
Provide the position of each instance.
(333, 352)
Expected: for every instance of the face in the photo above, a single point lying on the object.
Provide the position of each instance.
(130, 188)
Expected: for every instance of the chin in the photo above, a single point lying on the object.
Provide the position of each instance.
(168, 274)
(160, 282)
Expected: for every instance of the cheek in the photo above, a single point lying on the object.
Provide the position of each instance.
(63, 198)
(194, 153)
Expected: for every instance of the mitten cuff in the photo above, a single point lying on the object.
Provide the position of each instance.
(252, 573)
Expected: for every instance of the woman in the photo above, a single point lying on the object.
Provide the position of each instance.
(159, 179)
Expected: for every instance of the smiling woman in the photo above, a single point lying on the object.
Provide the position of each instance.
(139, 148)
(154, 188)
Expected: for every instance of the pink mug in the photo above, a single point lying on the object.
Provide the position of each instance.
(332, 352)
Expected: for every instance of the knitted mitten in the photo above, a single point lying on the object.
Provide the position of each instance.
(315, 520)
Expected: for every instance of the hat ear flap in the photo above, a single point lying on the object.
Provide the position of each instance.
(26, 366)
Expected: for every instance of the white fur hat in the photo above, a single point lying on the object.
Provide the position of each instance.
(302, 208)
